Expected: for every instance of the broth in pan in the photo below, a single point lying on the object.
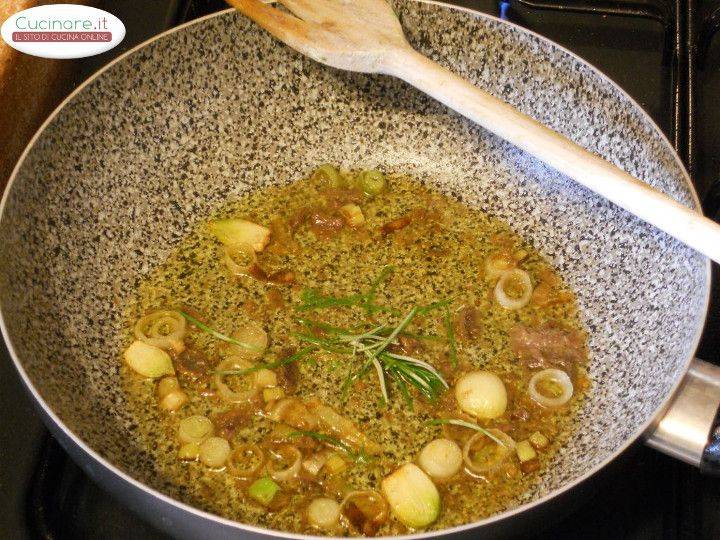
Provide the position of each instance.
(354, 354)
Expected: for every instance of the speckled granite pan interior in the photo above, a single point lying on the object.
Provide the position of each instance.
(158, 140)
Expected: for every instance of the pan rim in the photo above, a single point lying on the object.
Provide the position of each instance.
(108, 467)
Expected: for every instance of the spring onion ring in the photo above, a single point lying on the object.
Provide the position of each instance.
(287, 452)
(520, 277)
(370, 502)
(502, 451)
(164, 329)
(239, 258)
(246, 461)
(227, 393)
(497, 264)
(557, 377)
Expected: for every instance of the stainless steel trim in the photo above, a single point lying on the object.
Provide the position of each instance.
(684, 429)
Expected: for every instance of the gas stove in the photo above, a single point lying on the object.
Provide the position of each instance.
(666, 55)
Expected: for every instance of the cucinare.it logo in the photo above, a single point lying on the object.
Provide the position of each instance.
(63, 31)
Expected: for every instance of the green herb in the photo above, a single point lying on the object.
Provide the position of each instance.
(359, 457)
(271, 365)
(263, 490)
(463, 423)
(450, 332)
(214, 333)
(312, 299)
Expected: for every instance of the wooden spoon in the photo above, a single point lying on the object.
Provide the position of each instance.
(366, 36)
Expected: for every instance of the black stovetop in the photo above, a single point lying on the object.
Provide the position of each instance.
(666, 55)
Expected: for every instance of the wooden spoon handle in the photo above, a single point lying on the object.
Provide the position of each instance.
(590, 170)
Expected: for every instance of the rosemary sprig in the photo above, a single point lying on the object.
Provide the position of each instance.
(312, 299)
(214, 333)
(302, 353)
(463, 423)
(450, 332)
(358, 457)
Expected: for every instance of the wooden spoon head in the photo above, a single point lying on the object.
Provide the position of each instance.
(355, 35)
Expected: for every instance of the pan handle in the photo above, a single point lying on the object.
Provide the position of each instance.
(689, 429)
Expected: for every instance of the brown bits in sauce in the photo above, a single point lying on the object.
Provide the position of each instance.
(228, 422)
(467, 324)
(324, 224)
(193, 364)
(337, 197)
(281, 277)
(395, 225)
(289, 377)
(548, 291)
(275, 300)
(548, 346)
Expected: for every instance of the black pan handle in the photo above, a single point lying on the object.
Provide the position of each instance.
(689, 429)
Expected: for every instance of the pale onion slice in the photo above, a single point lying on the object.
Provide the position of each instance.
(239, 258)
(371, 503)
(441, 459)
(251, 334)
(293, 412)
(557, 378)
(315, 463)
(500, 455)
(246, 461)
(497, 264)
(214, 452)
(195, 429)
(412, 496)
(227, 393)
(343, 428)
(289, 454)
(164, 329)
(324, 513)
(514, 277)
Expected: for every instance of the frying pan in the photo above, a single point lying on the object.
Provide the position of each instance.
(146, 148)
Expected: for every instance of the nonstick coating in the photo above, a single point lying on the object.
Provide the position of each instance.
(150, 146)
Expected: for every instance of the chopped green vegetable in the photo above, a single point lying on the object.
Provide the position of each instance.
(329, 174)
(214, 333)
(372, 182)
(539, 440)
(412, 496)
(525, 451)
(263, 490)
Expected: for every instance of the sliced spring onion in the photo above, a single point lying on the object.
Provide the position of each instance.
(251, 334)
(167, 385)
(263, 490)
(164, 329)
(328, 174)
(372, 504)
(324, 513)
(463, 423)
(214, 333)
(538, 440)
(246, 460)
(551, 388)
(195, 429)
(231, 365)
(148, 360)
(497, 264)
(189, 452)
(273, 394)
(481, 394)
(412, 496)
(517, 279)
(525, 451)
(441, 459)
(239, 259)
(372, 182)
(489, 456)
(214, 452)
(289, 456)
(239, 231)
(174, 400)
